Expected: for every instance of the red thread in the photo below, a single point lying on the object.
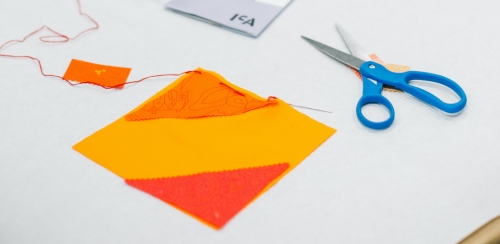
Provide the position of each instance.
(49, 39)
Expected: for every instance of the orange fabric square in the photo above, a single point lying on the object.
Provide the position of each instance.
(185, 161)
(104, 75)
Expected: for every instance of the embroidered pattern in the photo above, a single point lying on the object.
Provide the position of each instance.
(200, 95)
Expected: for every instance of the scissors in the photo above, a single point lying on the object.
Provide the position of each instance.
(375, 76)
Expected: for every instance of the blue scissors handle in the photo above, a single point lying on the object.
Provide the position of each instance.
(429, 97)
(375, 99)
(372, 71)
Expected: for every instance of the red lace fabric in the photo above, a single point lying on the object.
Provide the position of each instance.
(213, 197)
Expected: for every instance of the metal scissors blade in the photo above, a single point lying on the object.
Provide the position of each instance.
(354, 48)
(337, 54)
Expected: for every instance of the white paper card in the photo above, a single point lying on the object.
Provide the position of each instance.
(243, 16)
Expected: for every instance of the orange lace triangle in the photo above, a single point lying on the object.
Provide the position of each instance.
(200, 95)
(213, 197)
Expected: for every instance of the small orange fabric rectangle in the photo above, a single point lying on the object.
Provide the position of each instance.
(104, 75)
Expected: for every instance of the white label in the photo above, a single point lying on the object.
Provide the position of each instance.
(243, 16)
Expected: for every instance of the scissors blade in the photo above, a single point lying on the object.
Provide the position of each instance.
(354, 48)
(336, 54)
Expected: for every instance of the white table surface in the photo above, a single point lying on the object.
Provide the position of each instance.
(430, 178)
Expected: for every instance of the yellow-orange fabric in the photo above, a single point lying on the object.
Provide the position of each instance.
(173, 147)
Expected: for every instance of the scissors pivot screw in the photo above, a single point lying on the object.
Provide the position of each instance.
(372, 66)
